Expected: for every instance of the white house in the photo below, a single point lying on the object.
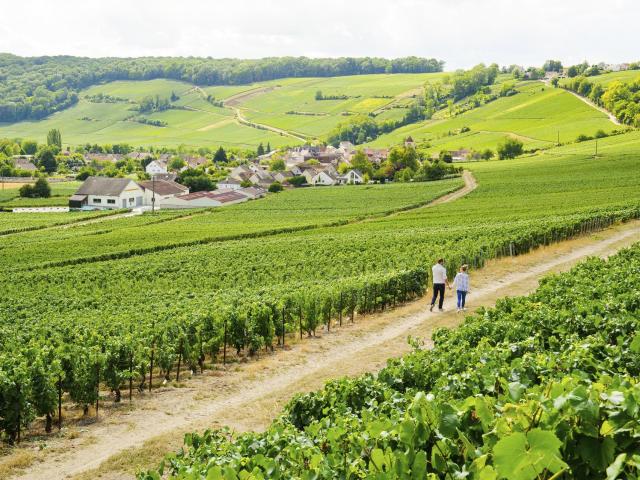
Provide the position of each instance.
(162, 190)
(230, 184)
(108, 193)
(354, 177)
(324, 178)
(156, 166)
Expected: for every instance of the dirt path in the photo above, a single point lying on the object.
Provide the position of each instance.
(611, 116)
(242, 120)
(470, 184)
(248, 396)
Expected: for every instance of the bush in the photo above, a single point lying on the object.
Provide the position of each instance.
(297, 180)
(510, 148)
(583, 138)
(275, 187)
(601, 134)
(40, 189)
(445, 156)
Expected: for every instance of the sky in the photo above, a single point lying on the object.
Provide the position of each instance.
(460, 32)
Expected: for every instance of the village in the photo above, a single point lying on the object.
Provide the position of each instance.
(305, 166)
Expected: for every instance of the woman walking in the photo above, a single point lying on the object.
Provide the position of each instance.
(462, 286)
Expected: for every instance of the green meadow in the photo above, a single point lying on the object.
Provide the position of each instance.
(538, 115)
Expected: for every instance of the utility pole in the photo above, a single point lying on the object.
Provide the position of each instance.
(558, 138)
(596, 148)
(153, 193)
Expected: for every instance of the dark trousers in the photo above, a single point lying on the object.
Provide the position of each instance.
(438, 289)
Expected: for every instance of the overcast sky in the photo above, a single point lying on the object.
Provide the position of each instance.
(461, 32)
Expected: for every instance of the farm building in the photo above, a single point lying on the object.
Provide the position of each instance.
(108, 193)
(162, 190)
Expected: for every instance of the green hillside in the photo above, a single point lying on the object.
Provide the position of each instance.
(536, 115)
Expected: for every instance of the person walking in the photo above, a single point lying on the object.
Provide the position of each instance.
(462, 286)
(439, 281)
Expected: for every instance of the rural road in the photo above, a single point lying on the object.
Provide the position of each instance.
(249, 395)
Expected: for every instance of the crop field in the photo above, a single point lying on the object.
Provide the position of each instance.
(187, 303)
(537, 387)
(12, 223)
(290, 210)
(537, 115)
(366, 94)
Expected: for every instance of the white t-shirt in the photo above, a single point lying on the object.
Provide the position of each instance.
(439, 273)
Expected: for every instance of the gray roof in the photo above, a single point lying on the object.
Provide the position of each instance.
(105, 186)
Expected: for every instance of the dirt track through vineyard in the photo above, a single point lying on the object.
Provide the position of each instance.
(249, 395)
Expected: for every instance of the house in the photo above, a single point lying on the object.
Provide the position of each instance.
(296, 170)
(253, 192)
(195, 162)
(162, 191)
(325, 178)
(376, 155)
(169, 177)
(23, 162)
(260, 177)
(156, 166)
(103, 157)
(108, 193)
(461, 155)
(139, 155)
(206, 199)
(230, 184)
(241, 172)
(282, 176)
(352, 177)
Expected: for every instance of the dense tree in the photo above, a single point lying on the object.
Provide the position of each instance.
(260, 150)
(29, 147)
(46, 159)
(297, 180)
(277, 165)
(510, 148)
(552, 66)
(220, 156)
(361, 162)
(196, 180)
(175, 164)
(54, 138)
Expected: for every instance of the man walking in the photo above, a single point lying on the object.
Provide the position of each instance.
(439, 281)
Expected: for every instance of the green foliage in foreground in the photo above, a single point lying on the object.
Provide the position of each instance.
(539, 387)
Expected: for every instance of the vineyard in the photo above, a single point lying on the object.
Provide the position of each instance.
(539, 387)
(188, 290)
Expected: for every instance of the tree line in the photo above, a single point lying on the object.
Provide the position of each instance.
(34, 87)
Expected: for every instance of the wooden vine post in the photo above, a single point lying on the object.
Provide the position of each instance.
(179, 360)
(224, 342)
(59, 402)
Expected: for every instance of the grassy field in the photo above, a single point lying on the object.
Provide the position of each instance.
(60, 193)
(536, 115)
(202, 125)
(607, 78)
(196, 122)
